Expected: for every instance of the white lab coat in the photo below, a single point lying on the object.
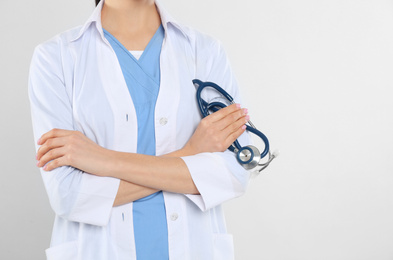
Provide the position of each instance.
(76, 83)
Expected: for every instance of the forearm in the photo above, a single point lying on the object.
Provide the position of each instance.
(153, 172)
(129, 192)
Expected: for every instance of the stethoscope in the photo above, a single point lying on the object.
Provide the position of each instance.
(248, 156)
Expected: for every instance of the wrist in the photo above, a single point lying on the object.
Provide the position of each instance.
(185, 151)
(188, 150)
(109, 162)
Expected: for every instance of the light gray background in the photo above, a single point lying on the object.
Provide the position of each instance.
(317, 78)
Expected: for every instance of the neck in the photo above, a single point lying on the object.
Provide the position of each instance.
(130, 16)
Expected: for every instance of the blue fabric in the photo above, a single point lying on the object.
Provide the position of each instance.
(143, 81)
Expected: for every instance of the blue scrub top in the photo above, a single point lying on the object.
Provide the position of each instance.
(143, 81)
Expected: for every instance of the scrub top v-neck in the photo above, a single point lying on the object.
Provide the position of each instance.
(143, 81)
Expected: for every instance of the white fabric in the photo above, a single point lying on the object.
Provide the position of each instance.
(136, 54)
(76, 83)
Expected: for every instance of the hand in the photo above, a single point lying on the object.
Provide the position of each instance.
(216, 132)
(65, 147)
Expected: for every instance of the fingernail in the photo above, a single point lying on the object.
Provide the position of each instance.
(45, 167)
(247, 118)
(244, 127)
(238, 105)
(39, 140)
(38, 163)
(245, 111)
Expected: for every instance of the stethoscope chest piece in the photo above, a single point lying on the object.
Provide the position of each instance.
(249, 157)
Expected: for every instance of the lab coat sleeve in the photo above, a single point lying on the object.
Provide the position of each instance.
(218, 176)
(73, 194)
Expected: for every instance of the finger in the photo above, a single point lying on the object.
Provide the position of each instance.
(231, 118)
(51, 155)
(234, 135)
(235, 125)
(55, 132)
(50, 144)
(55, 164)
(224, 112)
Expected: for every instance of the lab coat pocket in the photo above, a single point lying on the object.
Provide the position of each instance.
(223, 247)
(66, 251)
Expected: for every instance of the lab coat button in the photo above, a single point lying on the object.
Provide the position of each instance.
(163, 121)
(174, 216)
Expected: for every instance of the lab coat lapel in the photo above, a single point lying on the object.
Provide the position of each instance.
(167, 100)
(173, 78)
(117, 93)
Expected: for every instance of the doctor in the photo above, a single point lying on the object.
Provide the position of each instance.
(131, 170)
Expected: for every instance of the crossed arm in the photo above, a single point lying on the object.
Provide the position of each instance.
(142, 175)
